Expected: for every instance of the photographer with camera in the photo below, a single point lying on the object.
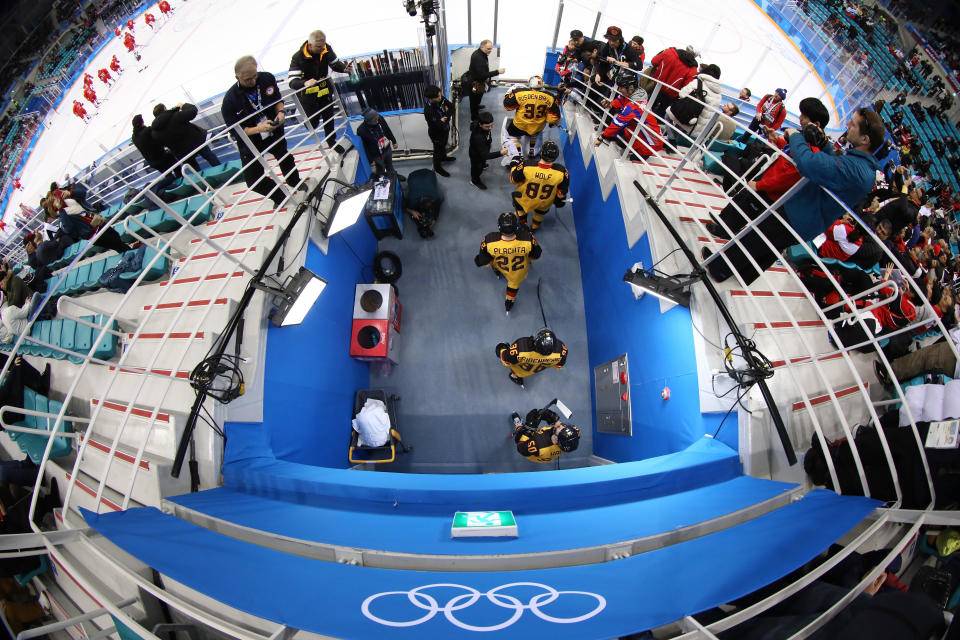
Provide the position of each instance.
(255, 102)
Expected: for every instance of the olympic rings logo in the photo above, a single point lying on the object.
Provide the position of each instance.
(428, 603)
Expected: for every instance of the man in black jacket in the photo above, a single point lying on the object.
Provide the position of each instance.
(254, 103)
(154, 154)
(309, 67)
(174, 129)
(479, 74)
(437, 112)
(378, 143)
(480, 141)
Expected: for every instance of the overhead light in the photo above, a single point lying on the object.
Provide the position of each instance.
(670, 288)
(296, 298)
(347, 208)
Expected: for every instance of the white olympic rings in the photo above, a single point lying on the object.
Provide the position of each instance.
(429, 604)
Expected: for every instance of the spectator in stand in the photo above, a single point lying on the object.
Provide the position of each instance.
(614, 59)
(674, 68)
(154, 153)
(637, 43)
(81, 225)
(771, 111)
(849, 176)
(174, 129)
(708, 80)
(39, 257)
(745, 94)
(630, 106)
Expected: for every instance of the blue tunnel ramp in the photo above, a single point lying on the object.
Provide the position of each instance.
(592, 601)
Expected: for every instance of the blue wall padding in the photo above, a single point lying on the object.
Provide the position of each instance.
(659, 347)
(641, 592)
(414, 529)
(704, 462)
(310, 377)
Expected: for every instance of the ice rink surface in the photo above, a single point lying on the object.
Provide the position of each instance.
(190, 57)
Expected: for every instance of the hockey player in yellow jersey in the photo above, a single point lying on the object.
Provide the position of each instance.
(535, 108)
(546, 443)
(509, 252)
(532, 354)
(539, 185)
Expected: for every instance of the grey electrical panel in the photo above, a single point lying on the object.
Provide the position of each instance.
(611, 381)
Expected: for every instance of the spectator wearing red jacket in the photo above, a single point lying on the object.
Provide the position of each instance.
(840, 241)
(630, 106)
(674, 68)
(770, 111)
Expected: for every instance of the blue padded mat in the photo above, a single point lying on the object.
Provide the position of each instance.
(593, 601)
(703, 463)
(412, 529)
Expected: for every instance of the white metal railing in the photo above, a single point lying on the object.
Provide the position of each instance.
(123, 310)
(810, 356)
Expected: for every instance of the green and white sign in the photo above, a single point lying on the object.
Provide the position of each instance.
(483, 523)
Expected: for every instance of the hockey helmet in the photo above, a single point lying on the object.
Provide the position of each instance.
(545, 341)
(535, 82)
(508, 223)
(627, 79)
(549, 151)
(568, 438)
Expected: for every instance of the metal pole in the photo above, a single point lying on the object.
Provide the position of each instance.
(496, 16)
(556, 28)
(646, 16)
(760, 62)
(710, 37)
(470, 21)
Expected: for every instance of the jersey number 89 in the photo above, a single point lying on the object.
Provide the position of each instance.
(533, 187)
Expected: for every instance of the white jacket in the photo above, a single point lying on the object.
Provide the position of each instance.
(713, 101)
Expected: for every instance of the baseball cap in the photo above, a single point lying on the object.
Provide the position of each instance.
(613, 32)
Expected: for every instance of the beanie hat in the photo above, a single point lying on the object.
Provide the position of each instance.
(370, 116)
(782, 93)
(613, 32)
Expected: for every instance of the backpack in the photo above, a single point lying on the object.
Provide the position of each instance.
(686, 110)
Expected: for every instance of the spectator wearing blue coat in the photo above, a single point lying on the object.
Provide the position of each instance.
(850, 176)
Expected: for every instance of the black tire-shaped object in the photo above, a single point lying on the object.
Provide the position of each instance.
(387, 267)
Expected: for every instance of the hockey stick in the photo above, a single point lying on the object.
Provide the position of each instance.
(542, 314)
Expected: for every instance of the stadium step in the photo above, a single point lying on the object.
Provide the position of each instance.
(164, 428)
(152, 482)
(167, 349)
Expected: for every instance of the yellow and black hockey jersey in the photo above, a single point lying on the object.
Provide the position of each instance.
(509, 257)
(539, 185)
(524, 360)
(535, 109)
(537, 446)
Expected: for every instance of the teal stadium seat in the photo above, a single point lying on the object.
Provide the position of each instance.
(34, 445)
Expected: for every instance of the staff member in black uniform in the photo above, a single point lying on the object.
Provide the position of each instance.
(437, 113)
(480, 141)
(479, 74)
(546, 443)
(309, 68)
(243, 102)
